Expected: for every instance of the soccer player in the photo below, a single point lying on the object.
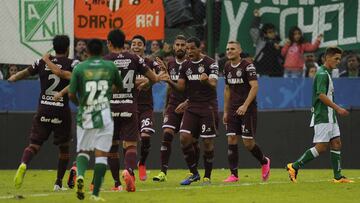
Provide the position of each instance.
(145, 105)
(52, 116)
(124, 107)
(91, 89)
(240, 110)
(175, 104)
(326, 128)
(198, 76)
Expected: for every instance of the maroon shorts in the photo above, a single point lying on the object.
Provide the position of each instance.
(242, 125)
(43, 125)
(200, 121)
(171, 119)
(146, 119)
(126, 126)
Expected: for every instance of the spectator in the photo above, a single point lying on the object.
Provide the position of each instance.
(293, 52)
(268, 59)
(127, 46)
(352, 66)
(80, 47)
(321, 59)
(310, 69)
(12, 70)
(155, 49)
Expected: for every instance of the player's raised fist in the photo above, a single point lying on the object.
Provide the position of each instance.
(164, 76)
(342, 112)
(161, 64)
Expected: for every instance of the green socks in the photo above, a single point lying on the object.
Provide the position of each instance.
(99, 173)
(335, 157)
(82, 163)
(309, 155)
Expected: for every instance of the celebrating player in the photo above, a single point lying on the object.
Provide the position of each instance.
(199, 77)
(145, 105)
(240, 110)
(52, 116)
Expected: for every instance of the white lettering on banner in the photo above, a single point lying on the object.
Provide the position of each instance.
(234, 22)
(148, 20)
(318, 26)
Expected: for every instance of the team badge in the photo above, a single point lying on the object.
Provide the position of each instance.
(189, 72)
(201, 68)
(238, 73)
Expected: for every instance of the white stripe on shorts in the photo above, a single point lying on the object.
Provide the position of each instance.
(185, 131)
(169, 126)
(247, 137)
(208, 136)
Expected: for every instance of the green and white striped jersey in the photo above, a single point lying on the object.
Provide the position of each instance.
(92, 81)
(323, 84)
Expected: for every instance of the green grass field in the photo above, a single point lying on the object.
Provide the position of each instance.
(313, 186)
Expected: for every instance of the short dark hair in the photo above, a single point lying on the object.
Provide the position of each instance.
(266, 27)
(194, 40)
(117, 38)
(180, 37)
(61, 44)
(330, 51)
(140, 37)
(95, 47)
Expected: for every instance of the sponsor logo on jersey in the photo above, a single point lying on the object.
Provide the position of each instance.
(122, 63)
(194, 77)
(234, 81)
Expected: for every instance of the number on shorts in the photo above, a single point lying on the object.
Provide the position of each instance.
(50, 90)
(145, 122)
(92, 87)
(203, 128)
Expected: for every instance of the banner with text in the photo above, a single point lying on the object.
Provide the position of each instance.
(337, 20)
(28, 27)
(94, 19)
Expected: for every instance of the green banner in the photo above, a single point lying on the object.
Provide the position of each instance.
(337, 20)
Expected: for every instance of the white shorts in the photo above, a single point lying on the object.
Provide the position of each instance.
(95, 138)
(324, 132)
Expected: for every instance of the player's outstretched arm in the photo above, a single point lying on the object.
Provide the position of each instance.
(341, 111)
(19, 75)
(55, 69)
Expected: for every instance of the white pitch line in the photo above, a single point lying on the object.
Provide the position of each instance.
(175, 188)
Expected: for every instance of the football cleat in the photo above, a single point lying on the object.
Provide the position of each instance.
(58, 188)
(231, 179)
(292, 172)
(142, 172)
(117, 189)
(80, 192)
(96, 198)
(129, 181)
(265, 170)
(190, 178)
(72, 177)
(342, 179)
(19, 176)
(161, 177)
(206, 181)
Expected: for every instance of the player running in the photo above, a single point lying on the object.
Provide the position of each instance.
(51, 116)
(240, 110)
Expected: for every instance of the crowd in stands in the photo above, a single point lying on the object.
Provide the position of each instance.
(273, 57)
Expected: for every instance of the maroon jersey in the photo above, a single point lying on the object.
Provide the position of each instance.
(238, 77)
(129, 65)
(145, 97)
(52, 84)
(195, 90)
(175, 97)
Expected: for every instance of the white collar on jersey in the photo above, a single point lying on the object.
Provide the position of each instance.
(197, 61)
(234, 66)
(179, 63)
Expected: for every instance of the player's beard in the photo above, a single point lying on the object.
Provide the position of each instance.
(180, 54)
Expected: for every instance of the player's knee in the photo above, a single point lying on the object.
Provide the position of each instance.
(336, 144)
(232, 139)
(168, 137)
(146, 133)
(185, 139)
(249, 144)
(321, 147)
(127, 144)
(34, 148)
(208, 144)
(169, 130)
